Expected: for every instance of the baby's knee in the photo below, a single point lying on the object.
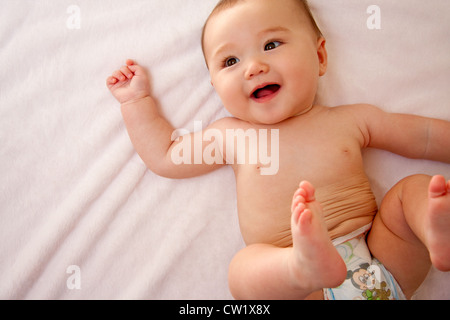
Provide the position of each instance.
(416, 178)
(415, 185)
(406, 193)
(412, 184)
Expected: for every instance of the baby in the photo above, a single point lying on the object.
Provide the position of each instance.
(307, 240)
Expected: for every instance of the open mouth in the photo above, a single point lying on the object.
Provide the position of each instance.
(266, 92)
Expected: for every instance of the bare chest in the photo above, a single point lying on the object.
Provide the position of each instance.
(319, 153)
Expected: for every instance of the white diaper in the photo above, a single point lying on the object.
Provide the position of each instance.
(367, 278)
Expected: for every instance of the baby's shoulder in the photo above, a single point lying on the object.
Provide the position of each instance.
(360, 112)
(353, 108)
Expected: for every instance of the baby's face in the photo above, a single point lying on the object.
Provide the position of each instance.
(264, 59)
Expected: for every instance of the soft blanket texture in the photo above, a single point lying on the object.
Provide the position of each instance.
(82, 218)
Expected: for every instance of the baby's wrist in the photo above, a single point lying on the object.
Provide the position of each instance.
(145, 99)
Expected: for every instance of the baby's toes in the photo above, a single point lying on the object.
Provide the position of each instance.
(296, 201)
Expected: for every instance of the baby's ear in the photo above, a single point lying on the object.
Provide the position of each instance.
(349, 274)
(322, 56)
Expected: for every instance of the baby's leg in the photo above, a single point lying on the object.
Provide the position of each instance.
(263, 271)
(410, 232)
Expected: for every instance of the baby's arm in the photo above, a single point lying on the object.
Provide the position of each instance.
(411, 136)
(150, 133)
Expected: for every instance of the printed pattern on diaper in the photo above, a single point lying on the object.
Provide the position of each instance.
(367, 278)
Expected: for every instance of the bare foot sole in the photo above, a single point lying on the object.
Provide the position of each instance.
(438, 223)
(315, 263)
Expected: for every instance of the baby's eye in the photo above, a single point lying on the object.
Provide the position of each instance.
(229, 62)
(272, 45)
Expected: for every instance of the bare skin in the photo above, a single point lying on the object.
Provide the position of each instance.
(437, 222)
(289, 238)
(415, 216)
(314, 252)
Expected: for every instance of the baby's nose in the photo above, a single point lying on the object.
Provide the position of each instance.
(255, 68)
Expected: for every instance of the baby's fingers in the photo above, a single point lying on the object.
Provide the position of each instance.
(126, 72)
(119, 75)
(111, 81)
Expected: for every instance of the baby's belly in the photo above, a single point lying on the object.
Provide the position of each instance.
(347, 206)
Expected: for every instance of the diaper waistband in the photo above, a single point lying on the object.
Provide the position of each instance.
(352, 235)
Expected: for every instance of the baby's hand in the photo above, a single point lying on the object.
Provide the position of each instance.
(129, 83)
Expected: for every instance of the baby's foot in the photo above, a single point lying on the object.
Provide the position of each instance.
(315, 262)
(437, 225)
